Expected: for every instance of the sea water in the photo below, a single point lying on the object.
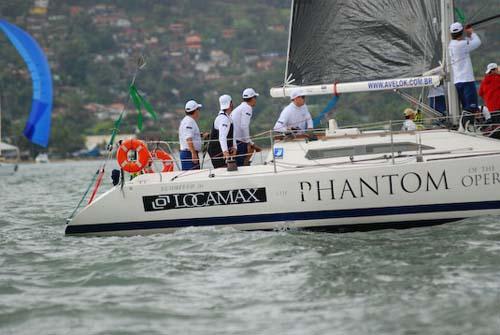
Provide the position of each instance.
(437, 280)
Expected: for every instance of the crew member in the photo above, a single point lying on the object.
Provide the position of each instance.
(241, 117)
(295, 116)
(437, 100)
(222, 146)
(459, 49)
(490, 89)
(189, 137)
(409, 124)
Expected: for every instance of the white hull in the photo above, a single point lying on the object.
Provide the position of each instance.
(343, 197)
(42, 159)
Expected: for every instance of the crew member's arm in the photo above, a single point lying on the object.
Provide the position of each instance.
(474, 41)
(245, 126)
(282, 123)
(223, 131)
(194, 153)
(246, 116)
(189, 135)
(310, 124)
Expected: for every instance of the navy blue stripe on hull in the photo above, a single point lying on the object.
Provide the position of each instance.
(262, 218)
(349, 228)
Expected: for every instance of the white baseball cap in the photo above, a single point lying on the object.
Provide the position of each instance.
(225, 101)
(249, 93)
(297, 93)
(456, 27)
(490, 67)
(191, 106)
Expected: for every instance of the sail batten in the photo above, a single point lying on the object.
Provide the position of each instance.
(362, 40)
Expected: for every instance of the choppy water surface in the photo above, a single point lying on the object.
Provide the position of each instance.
(438, 280)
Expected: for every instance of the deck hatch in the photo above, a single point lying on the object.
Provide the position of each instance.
(368, 149)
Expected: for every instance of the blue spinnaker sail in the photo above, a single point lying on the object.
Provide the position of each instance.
(37, 128)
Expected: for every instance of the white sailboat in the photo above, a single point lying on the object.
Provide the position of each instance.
(8, 165)
(348, 179)
(42, 158)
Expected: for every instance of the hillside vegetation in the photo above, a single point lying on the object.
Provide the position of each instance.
(194, 49)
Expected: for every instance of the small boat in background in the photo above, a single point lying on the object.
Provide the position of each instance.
(42, 158)
(9, 156)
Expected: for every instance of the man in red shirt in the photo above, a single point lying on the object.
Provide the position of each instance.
(490, 88)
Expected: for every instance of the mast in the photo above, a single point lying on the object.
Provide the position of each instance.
(447, 19)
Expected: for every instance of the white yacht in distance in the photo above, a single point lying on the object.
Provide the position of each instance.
(42, 158)
(341, 179)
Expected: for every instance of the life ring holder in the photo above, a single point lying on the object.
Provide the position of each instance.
(128, 164)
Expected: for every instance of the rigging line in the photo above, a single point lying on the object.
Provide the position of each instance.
(139, 65)
(476, 13)
(419, 103)
(84, 196)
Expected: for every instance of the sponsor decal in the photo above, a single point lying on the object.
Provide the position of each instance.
(400, 83)
(278, 153)
(388, 184)
(204, 199)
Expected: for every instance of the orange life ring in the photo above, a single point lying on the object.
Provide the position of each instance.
(166, 160)
(141, 150)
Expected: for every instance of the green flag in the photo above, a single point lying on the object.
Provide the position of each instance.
(459, 15)
(140, 102)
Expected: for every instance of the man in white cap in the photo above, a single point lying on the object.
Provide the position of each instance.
(241, 117)
(459, 49)
(490, 89)
(222, 146)
(189, 137)
(295, 116)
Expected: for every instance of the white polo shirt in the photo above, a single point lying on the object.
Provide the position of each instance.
(241, 117)
(436, 91)
(409, 125)
(189, 129)
(223, 123)
(461, 63)
(294, 117)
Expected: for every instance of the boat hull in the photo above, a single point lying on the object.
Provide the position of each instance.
(357, 198)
